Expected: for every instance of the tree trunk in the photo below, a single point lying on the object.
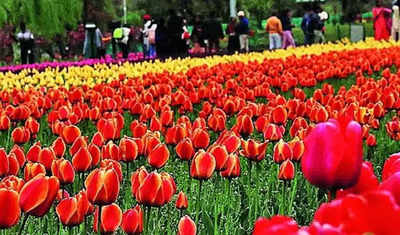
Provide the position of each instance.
(85, 11)
(232, 8)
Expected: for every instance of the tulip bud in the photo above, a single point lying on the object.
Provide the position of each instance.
(186, 226)
(181, 201)
(286, 171)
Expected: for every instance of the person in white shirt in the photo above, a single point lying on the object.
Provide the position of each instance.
(26, 40)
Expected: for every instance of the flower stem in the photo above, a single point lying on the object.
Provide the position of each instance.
(99, 221)
(198, 202)
(23, 223)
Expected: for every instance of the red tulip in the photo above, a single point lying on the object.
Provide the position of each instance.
(82, 160)
(184, 149)
(244, 125)
(38, 194)
(102, 186)
(167, 118)
(279, 115)
(95, 153)
(19, 154)
(111, 218)
(253, 150)
(221, 156)
(275, 226)
(138, 129)
(5, 122)
(63, 170)
(4, 163)
(159, 156)
(367, 182)
(129, 149)
(13, 163)
(32, 125)
(33, 153)
(132, 221)
(392, 184)
(230, 141)
(109, 128)
(33, 169)
(98, 139)
(391, 166)
(11, 211)
(70, 133)
(112, 164)
(333, 154)
(59, 147)
(80, 142)
(203, 165)
(156, 189)
(20, 135)
(200, 138)
(155, 124)
(232, 167)
(286, 171)
(371, 140)
(72, 210)
(46, 157)
(182, 201)
(186, 226)
(273, 132)
(282, 152)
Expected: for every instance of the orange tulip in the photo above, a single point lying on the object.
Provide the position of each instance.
(286, 170)
(232, 169)
(33, 169)
(98, 139)
(11, 211)
(59, 147)
(4, 163)
(82, 160)
(282, 152)
(167, 118)
(229, 140)
(221, 156)
(111, 218)
(273, 132)
(279, 115)
(186, 226)
(298, 148)
(203, 165)
(38, 194)
(244, 125)
(138, 129)
(159, 156)
(20, 135)
(112, 164)
(155, 124)
(129, 149)
(184, 149)
(63, 170)
(5, 122)
(253, 150)
(201, 138)
(12, 182)
(111, 151)
(132, 221)
(109, 128)
(371, 140)
(33, 152)
(156, 189)
(182, 201)
(102, 186)
(70, 133)
(137, 179)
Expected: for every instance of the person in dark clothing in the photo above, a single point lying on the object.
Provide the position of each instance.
(214, 33)
(307, 26)
(161, 39)
(233, 43)
(243, 30)
(175, 30)
(27, 42)
(198, 34)
(287, 37)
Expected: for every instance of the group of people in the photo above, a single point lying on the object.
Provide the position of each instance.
(386, 21)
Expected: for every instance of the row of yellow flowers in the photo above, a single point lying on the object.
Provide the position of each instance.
(102, 73)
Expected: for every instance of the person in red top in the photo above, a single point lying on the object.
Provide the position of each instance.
(274, 28)
(382, 24)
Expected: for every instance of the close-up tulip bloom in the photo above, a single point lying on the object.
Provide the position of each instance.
(11, 211)
(132, 221)
(203, 165)
(102, 186)
(187, 226)
(333, 154)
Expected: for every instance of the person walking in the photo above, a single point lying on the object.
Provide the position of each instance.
(93, 45)
(274, 29)
(149, 36)
(381, 17)
(287, 36)
(243, 32)
(319, 25)
(308, 27)
(27, 43)
(233, 42)
(396, 21)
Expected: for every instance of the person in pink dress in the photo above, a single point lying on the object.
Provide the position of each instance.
(382, 24)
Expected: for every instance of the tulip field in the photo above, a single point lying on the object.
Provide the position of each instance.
(303, 141)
